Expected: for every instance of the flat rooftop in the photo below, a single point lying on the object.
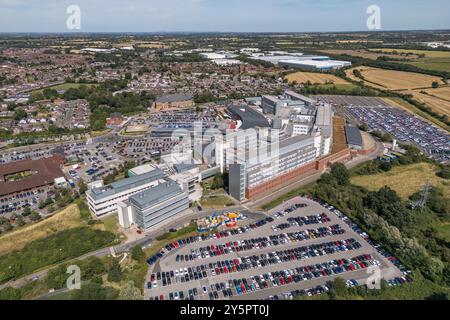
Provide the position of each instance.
(250, 118)
(125, 184)
(354, 136)
(152, 196)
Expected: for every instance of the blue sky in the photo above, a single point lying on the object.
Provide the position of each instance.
(222, 15)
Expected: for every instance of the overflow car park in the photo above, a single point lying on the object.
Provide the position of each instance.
(296, 249)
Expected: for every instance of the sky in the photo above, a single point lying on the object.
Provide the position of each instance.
(221, 15)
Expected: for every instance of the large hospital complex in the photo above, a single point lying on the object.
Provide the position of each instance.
(276, 140)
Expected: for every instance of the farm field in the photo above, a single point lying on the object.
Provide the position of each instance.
(433, 60)
(442, 92)
(321, 78)
(394, 80)
(405, 180)
(427, 53)
(366, 54)
(439, 101)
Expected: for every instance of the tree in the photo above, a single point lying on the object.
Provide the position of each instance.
(385, 166)
(26, 212)
(444, 172)
(130, 292)
(138, 254)
(338, 288)
(94, 291)
(20, 114)
(218, 182)
(82, 186)
(340, 173)
(20, 222)
(114, 272)
(435, 84)
(34, 216)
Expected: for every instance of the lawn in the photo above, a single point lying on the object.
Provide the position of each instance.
(66, 219)
(216, 201)
(66, 86)
(405, 180)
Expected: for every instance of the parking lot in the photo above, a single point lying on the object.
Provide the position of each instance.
(405, 128)
(296, 249)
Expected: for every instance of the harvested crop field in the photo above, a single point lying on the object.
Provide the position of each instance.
(365, 54)
(439, 101)
(321, 78)
(405, 180)
(395, 80)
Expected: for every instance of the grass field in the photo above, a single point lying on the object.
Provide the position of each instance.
(433, 60)
(405, 180)
(394, 80)
(427, 53)
(66, 86)
(66, 219)
(320, 78)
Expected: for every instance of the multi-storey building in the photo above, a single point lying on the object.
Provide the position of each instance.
(103, 200)
(154, 206)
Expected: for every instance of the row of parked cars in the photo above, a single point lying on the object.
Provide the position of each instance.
(204, 237)
(20, 201)
(281, 213)
(299, 293)
(302, 220)
(251, 262)
(258, 243)
(299, 274)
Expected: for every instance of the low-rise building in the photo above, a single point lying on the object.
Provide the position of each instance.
(173, 101)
